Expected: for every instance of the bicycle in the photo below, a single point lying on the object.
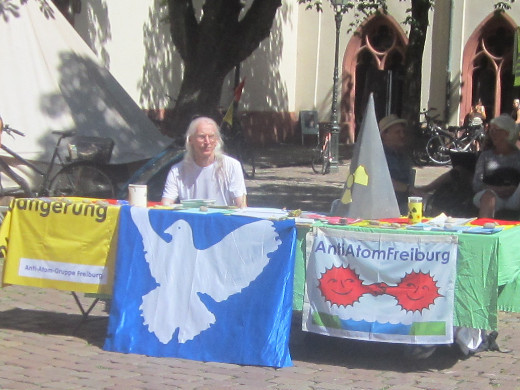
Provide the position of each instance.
(455, 139)
(322, 154)
(426, 128)
(75, 177)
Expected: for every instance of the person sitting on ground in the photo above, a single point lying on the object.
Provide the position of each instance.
(497, 173)
(205, 171)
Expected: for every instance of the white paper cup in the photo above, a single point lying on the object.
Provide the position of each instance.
(138, 195)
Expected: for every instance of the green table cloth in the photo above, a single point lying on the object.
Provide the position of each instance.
(488, 273)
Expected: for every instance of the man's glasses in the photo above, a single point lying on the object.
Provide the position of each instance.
(210, 137)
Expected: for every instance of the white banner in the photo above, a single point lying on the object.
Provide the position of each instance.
(69, 272)
(382, 287)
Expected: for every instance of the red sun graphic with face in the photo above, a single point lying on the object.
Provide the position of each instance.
(342, 286)
(415, 292)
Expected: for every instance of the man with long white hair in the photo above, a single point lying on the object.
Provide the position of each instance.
(205, 172)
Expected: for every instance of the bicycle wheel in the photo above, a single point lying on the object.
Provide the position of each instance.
(327, 157)
(82, 179)
(317, 159)
(325, 166)
(438, 148)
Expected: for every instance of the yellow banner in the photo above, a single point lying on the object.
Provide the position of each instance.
(67, 244)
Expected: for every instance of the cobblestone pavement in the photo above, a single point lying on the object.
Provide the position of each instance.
(44, 345)
(284, 178)
(297, 187)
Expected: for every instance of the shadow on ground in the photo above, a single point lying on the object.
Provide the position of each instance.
(93, 330)
(318, 349)
(292, 197)
(304, 346)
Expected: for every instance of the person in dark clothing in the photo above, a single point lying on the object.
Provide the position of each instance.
(496, 181)
(393, 136)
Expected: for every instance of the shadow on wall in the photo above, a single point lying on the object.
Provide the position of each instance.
(269, 121)
(162, 73)
(99, 106)
(98, 29)
(265, 128)
(82, 96)
(162, 77)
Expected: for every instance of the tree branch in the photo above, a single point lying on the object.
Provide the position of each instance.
(184, 28)
(255, 27)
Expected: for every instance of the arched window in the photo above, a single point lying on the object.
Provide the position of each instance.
(487, 67)
(373, 63)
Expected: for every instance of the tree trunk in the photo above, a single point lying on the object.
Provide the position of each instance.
(210, 48)
(413, 62)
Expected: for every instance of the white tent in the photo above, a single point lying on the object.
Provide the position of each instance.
(51, 80)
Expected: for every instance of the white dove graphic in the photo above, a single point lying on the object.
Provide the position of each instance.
(221, 270)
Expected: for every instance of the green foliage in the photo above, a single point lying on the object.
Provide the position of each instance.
(360, 7)
(318, 4)
(502, 6)
(363, 8)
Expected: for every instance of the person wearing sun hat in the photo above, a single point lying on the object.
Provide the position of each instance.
(497, 173)
(393, 136)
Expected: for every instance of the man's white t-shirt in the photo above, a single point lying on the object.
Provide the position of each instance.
(186, 180)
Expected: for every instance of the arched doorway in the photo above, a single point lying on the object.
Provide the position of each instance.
(487, 67)
(373, 63)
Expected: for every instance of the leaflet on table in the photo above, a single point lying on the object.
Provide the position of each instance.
(442, 219)
(455, 229)
(457, 225)
(262, 212)
(444, 223)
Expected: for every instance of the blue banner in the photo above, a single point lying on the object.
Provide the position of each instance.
(208, 287)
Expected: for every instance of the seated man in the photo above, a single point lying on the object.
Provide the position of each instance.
(205, 172)
(393, 137)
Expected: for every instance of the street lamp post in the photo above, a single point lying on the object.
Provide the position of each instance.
(340, 7)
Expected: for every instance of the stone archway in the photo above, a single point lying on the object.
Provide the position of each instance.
(487, 67)
(373, 62)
